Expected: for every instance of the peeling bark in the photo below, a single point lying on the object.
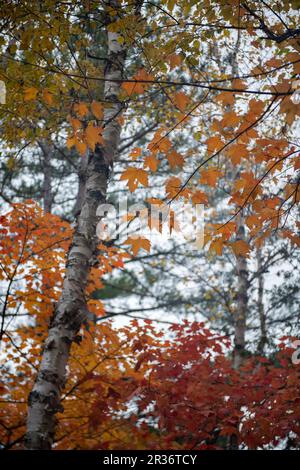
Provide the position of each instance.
(71, 310)
(82, 176)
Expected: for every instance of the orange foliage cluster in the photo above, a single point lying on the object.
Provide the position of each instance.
(132, 387)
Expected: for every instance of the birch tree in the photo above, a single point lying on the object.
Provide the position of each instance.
(71, 310)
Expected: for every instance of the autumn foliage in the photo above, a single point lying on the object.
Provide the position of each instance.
(136, 386)
(152, 103)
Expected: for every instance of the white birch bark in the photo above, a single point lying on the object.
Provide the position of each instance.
(71, 311)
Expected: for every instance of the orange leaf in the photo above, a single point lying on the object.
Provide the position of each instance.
(140, 85)
(230, 119)
(135, 176)
(47, 96)
(175, 159)
(81, 109)
(30, 93)
(240, 248)
(199, 197)
(216, 246)
(71, 140)
(181, 100)
(214, 144)
(236, 152)
(173, 185)
(81, 147)
(174, 60)
(138, 243)
(151, 162)
(210, 176)
(97, 109)
(93, 135)
(225, 97)
(135, 153)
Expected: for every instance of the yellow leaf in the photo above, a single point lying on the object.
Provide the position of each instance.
(134, 176)
(11, 163)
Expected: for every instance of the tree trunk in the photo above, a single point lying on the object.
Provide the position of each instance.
(242, 300)
(71, 310)
(82, 176)
(260, 304)
(47, 192)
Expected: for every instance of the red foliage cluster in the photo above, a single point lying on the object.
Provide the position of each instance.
(189, 396)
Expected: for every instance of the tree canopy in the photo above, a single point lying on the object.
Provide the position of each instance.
(149, 229)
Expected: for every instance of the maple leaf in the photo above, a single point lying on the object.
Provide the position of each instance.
(71, 140)
(216, 246)
(175, 159)
(97, 109)
(236, 152)
(174, 60)
(75, 123)
(181, 100)
(74, 141)
(137, 87)
(81, 109)
(151, 162)
(138, 243)
(214, 143)
(48, 96)
(135, 153)
(93, 135)
(134, 176)
(226, 98)
(240, 248)
(230, 119)
(30, 93)
(199, 197)
(173, 185)
(164, 144)
(210, 176)
(81, 147)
